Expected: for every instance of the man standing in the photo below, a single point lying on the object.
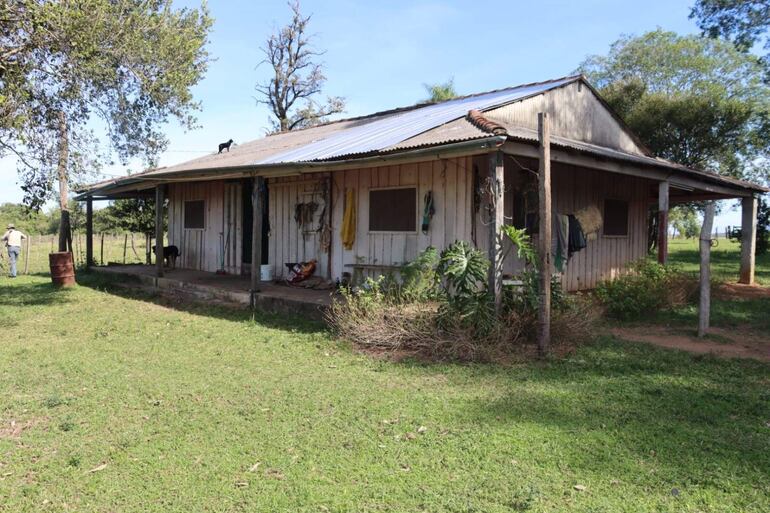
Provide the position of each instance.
(13, 238)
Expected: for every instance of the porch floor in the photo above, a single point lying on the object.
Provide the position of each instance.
(273, 297)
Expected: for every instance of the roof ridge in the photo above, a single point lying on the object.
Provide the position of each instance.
(398, 110)
(477, 119)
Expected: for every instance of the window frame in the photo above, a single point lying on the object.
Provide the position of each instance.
(184, 214)
(628, 218)
(416, 210)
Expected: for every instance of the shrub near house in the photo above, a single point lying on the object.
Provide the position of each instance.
(441, 308)
(646, 290)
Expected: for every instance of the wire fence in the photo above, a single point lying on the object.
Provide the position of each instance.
(115, 248)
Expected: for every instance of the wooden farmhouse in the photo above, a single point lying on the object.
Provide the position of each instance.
(427, 175)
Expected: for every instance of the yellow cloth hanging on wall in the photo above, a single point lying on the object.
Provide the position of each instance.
(348, 231)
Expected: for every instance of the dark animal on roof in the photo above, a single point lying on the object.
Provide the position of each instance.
(225, 146)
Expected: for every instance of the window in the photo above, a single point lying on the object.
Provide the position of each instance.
(194, 215)
(393, 210)
(615, 218)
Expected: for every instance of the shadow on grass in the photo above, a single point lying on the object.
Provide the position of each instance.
(733, 313)
(684, 412)
(18, 292)
(236, 313)
(725, 263)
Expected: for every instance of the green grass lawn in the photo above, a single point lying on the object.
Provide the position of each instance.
(753, 314)
(123, 403)
(725, 259)
(120, 247)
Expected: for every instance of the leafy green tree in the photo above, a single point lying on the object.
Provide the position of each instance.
(685, 221)
(763, 226)
(698, 101)
(65, 67)
(34, 222)
(296, 79)
(744, 22)
(132, 215)
(442, 91)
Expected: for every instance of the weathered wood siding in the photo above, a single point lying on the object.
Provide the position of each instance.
(288, 242)
(605, 257)
(202, 249)
(575, 113)
(450, 181)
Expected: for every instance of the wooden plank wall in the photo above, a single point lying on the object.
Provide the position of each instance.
(575, 188)
(288, 242)
(202, 249)
(449, 179)
(575, 113)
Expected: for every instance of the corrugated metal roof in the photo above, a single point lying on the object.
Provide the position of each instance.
(386, 133)
(391, 130)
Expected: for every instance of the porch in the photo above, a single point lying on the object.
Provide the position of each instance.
(228, 288)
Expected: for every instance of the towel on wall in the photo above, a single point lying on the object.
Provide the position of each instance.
(348, 231)
(561, 234)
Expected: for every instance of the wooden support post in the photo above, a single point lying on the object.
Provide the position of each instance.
(748, 239)
(663, 222)
(89, 232)
(26, 258)
(704, 306)
(495, 251)
(257, 205)
(101, 251)
(159, 230)
(544, 234)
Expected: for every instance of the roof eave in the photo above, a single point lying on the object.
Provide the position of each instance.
(467, 147)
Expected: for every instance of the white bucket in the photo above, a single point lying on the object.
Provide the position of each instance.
(266, 272)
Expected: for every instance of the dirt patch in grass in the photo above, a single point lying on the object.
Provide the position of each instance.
(730, 291)
(726, 343)
(12, 429)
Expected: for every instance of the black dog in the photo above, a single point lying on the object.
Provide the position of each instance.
(170, 254)
(225, 146)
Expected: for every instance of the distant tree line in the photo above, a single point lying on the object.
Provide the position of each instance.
(126, 215)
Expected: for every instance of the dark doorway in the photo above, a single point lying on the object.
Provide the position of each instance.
(248, 221)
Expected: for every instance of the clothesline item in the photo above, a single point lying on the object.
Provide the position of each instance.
(590, 219)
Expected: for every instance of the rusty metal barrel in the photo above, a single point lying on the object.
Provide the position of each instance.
(62, 269)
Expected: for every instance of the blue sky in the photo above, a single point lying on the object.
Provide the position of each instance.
(379, 55)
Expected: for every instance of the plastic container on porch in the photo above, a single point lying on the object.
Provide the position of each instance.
(266, 272)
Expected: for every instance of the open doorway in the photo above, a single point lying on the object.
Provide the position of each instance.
(248, 221)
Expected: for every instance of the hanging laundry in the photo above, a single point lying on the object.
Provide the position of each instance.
(560, 242)
(428, 212)
(576, 238)
(348, 231)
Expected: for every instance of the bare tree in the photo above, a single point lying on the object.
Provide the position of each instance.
(297, 79)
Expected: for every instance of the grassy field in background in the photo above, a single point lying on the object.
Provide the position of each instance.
(726, 312)
(118, 401)
(42, 245)
(725, 259)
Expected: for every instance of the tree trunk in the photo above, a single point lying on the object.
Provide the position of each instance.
(65, 229)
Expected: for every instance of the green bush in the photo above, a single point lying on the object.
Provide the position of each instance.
(646, 290)
(441, 309)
